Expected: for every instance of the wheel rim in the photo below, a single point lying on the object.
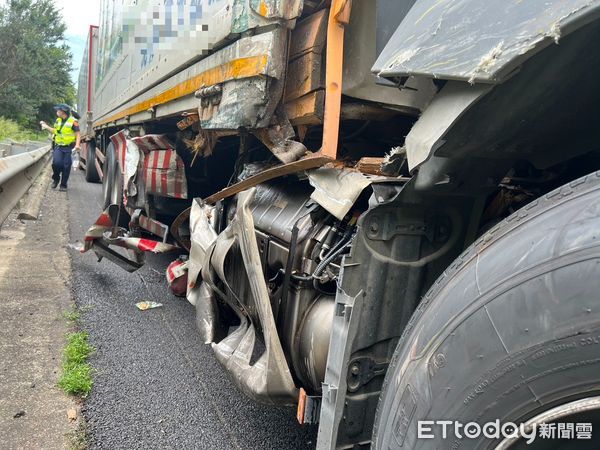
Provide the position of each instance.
(552, 415)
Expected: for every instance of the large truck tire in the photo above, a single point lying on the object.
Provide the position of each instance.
(112, 186)
(91, 172)
(509, 331)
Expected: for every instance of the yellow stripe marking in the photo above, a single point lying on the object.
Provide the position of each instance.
(236, 69)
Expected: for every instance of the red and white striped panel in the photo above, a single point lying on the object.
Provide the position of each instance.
(144, 245)
(151, 142)
(96, 231)
(119, 140)
(177, 277)
(164, 174)
(153, 226)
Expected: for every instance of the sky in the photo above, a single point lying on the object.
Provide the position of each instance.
(78, 15)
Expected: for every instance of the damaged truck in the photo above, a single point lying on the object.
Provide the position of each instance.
(386, 212)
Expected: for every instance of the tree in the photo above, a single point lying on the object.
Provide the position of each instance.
(34, 60)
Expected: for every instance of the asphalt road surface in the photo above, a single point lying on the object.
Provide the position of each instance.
(156, 385)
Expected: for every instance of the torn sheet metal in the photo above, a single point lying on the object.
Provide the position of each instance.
(306, 163)
(154, 226)
(475, 41)
(268, 379)
(128, 158)
(163, 169)
(203, 236)
(101, 233)
(199, 293)
(119, 140)
(427, 135)
(164, 174)
(337, 190)
(203, 297)
(104, 222)
(278, 138)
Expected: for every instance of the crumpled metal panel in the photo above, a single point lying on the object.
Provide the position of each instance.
(203, 236)
(337, 190)
(155, 158)
(103, 234)
(268, 379)
(242, 74)
(103, 226)
(203, 297)
(199, 293)
(478, 41)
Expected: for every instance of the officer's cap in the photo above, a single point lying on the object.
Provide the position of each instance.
(63, 107)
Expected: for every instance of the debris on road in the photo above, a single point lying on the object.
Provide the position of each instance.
(77, 246)
(72, 414)
(19, 415)
(143, 306)
(177, 278)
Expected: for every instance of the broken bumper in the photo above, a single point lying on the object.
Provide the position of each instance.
(105, 233)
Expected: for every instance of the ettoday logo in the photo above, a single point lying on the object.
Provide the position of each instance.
(450, 429)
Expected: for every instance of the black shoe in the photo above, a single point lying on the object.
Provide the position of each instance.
(54, 184)
(63, 189)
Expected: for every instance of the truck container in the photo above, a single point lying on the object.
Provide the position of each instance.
(85, 105)
(385, 212)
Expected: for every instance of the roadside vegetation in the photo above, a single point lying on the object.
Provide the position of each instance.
(35, 65)
(76, 378)
(9, 129)
(72, 316)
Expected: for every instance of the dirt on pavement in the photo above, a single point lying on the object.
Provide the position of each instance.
(35, 293)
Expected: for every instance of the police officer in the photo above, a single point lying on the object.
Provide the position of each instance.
(66, 137)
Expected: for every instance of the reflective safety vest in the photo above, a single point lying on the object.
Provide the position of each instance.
(63, 132)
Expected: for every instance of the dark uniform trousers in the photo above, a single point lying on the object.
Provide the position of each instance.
(61, 163)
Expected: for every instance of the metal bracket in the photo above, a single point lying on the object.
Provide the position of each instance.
(329, 392)
(343, 305)
(210, 95)
(362, 370)
(103, 251)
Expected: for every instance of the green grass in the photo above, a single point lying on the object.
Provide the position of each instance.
(76, 378)
(71, 316)
(9, 129)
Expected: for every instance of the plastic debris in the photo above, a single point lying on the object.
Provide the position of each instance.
(143, 306)
(75, 159)
(78, 246)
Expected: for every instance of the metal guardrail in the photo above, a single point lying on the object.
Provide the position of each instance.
(9, 147)
(17, 172)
